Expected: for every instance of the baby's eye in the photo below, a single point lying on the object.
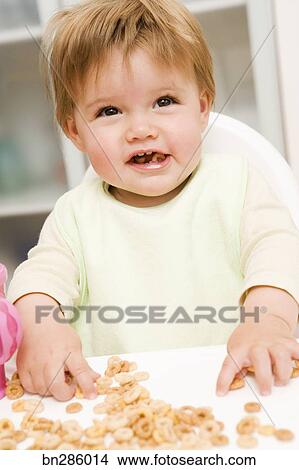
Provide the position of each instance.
(107, 109)
(166, 100)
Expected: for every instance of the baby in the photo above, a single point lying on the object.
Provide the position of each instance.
(164, 246)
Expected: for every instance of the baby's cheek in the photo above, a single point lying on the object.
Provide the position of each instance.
(101, 161)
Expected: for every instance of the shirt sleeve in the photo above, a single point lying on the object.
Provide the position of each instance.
(50, 269)
(269, 240)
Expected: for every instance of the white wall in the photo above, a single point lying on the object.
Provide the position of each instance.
(286, 15)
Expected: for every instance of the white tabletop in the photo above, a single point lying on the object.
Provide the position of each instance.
(188, 377)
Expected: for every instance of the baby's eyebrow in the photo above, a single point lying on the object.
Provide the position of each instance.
(109, 99)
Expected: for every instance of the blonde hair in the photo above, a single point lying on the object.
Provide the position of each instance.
(81, 37)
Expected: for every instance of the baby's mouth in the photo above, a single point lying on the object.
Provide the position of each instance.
(146, 158)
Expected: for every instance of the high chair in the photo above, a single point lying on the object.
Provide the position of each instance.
(227, 135)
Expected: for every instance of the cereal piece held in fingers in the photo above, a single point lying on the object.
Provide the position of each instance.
(295, 372)
(237, 383)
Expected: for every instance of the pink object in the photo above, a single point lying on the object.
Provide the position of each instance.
(10, 329)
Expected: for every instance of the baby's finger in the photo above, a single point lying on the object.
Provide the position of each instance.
(242, 373)
(294, 349)
(38, 380)
(261, 361)
(80, 370)
(26, 381)
(95, 375)
(282, 364)
(55, 381)
(232, 365)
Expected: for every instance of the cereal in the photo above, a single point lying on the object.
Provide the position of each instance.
(201, 414)
(143, 428)
(283, 434)
(123, 434)
(14, 390)
(131, 419)
(113, 359)
(56, 426)
(6, 425)
(250, 370)
(114, 369)
(8, 444)
(18, 406)
(132, 395)
(210, 427)
(102, 384)
(247, 442)
(247, 425)
(97, 430)
(221, 425)
(47, 441)
(74, 408)
(238, 382)
(124, 377)
(295, 372)
(252, 407)
(100, 408)
(78, 392)
(19, 436)
(15, 377)
(140, 375)
(116, 421)
(133, 366)
(92, 443)
(219, 440)
(266, 429)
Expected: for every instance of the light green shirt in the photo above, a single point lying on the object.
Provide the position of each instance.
(187, 258)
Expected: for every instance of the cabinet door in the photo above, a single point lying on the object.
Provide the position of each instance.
(32, 173)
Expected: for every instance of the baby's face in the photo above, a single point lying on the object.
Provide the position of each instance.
(151, 109)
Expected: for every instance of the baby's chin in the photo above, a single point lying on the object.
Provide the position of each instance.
(152, 192)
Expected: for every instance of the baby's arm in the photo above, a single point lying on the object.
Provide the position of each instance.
(265, 343)
(269, 255)
(52, 271)
(48, 348)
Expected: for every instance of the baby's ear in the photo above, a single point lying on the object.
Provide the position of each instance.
(71, 132)
(205, 108)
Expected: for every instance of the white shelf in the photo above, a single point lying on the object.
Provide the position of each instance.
(205, 6)
(30, 202)
(15, 35)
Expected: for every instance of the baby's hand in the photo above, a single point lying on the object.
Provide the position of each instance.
(45, 352)
(268, 346)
